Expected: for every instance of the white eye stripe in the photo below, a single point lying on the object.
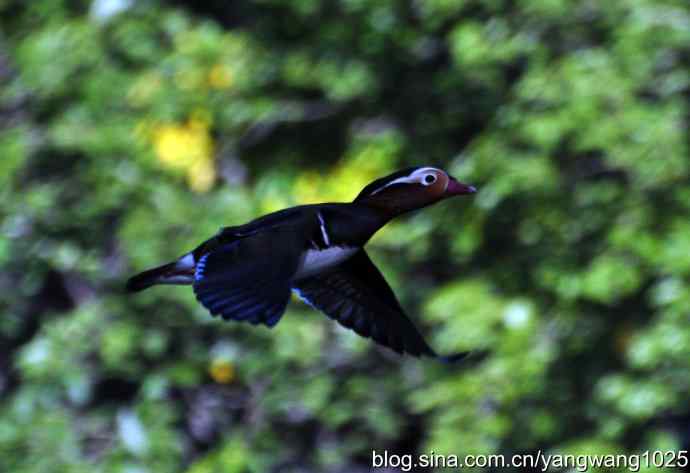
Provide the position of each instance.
(417, 176)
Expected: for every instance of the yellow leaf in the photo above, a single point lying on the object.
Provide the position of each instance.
(188, 148)
(220, 77)
(222, 371)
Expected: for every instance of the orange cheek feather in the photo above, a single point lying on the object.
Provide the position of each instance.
(438, 188)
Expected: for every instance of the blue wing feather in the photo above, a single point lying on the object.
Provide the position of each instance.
(232, 282)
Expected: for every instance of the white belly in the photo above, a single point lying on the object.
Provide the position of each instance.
(316, 261)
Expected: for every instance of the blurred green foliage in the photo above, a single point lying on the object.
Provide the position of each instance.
(131, 131)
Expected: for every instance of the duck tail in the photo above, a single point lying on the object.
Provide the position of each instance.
(177, 272)
(149, 278)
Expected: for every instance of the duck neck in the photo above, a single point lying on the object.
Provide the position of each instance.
(387, 208)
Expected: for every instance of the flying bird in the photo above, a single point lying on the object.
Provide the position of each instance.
(246, 272)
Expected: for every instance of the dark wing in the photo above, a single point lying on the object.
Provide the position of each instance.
(274, 221)
(249, 279)
(358, 297)
(281, 218)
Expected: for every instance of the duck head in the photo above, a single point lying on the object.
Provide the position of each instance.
(411, 189)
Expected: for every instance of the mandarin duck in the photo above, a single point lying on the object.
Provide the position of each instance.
(246, 272)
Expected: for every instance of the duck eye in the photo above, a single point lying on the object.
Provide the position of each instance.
(429, 179)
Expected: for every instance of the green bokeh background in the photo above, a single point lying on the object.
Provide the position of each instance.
(131, 131)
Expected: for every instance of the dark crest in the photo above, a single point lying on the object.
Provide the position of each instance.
(378, 183)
